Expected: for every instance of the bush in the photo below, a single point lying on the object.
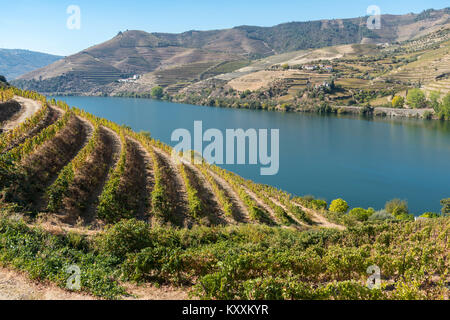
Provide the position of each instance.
(157, 92)
(381, 216)
(430, 215)
(445, 203)
(416, 98)
(126, 236)
(339, 206)
(397, 207)
(361, 214)
(398, 102)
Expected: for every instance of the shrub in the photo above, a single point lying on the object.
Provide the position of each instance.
(318, 204)
(381, 216)
(430, 215)
(397, 207)
(361, 214)
(157, 92)
(434, 100)
(445, 203)
(339, 206)
(416, 98)
(124, 237)
(398, 102)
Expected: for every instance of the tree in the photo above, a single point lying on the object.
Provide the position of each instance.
(445, 203)
(416, 98)
(444, 108)
(339, 206)
(285, 66)
(398, 102)
(399, 209)
(361, 214)
(434, 100)
(157, 92)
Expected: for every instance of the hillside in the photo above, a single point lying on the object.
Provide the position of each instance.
(15, 63)
(198, 55)
(349, 76)
(143, 217)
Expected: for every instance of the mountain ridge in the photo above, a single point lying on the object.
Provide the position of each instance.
(135, 52)
(17, 62)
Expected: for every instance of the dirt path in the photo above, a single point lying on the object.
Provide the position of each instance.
(51, 117)
(319, 219)
(290, 214)
(29, 107)
(15, 285)
(240, 213)
(272, 217)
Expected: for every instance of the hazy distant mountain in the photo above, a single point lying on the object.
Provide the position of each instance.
(15, 62)
(139, 52)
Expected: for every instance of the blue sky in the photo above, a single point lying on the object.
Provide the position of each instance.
(41, 25)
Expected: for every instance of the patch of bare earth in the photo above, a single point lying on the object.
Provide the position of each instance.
(319, 219)
(17, 286)
(271, 218)
(51, 117)
(29, 107)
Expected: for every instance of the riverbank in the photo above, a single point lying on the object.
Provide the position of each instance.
(381, 112)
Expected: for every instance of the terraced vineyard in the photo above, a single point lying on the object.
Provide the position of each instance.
(78, 189)
(80, 168)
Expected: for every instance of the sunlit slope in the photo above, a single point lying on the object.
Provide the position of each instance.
(77, 168)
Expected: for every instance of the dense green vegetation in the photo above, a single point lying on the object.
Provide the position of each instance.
(289, 247)
(245, 262)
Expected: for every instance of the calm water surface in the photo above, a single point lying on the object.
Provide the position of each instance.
(366, 162)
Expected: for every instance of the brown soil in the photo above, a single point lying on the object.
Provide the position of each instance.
(271, 217)
(111, 152)
(51, 117)
(9, 111)
(318, 218)
(29, 107)
(81, 200)
(15, 285)
(42, 166)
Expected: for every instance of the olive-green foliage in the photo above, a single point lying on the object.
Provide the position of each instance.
(416, 98)
(381, 215)
(398, 102)
(361, 214)
(157, 92)
(339, 206)
(445, 203)
(45, 257)
(399, 209)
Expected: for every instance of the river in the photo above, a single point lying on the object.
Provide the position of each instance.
(364, 161)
